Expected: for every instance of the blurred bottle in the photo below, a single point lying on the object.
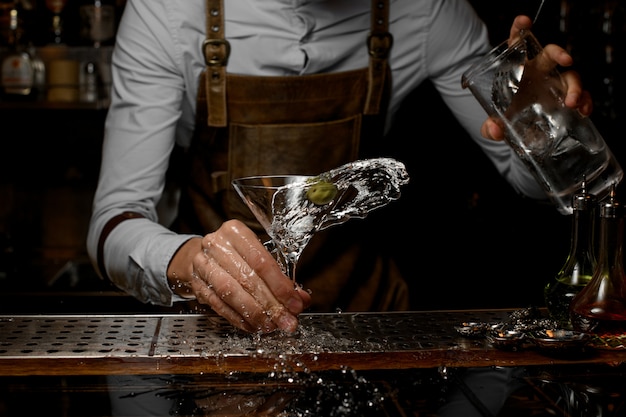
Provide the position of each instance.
(39, 73)
(22, 71)
(89, 83)
(5, 21)
(26, 10)
(98, 22)
(600, 307)
(580, 262)
(58, 31)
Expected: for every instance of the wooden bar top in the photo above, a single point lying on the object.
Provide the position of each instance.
(201, 343)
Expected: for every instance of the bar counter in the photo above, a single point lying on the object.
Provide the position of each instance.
(201, 343)
(341, 364)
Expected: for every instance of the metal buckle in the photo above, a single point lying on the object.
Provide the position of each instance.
(215, 60)
(384, 39)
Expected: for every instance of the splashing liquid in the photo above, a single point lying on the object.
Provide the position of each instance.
(358, 188)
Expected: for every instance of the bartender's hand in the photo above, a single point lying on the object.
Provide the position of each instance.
(232, 272)
(576, 97)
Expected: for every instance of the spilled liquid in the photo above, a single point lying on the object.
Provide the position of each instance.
(362, 186)
(289, 389)
(291, 218)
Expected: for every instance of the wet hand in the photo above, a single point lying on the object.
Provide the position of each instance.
(233, 273)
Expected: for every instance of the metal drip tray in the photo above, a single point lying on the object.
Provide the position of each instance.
(190, 343)
(199, 334)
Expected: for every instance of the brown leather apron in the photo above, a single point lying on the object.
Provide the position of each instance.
(254, 125)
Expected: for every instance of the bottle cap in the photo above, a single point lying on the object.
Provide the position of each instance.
(610, 207)
(583, 200)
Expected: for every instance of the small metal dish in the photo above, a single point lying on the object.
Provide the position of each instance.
(506, 339)
(472, 329)
(559, 340)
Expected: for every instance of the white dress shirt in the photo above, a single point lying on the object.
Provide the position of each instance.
(157, 62)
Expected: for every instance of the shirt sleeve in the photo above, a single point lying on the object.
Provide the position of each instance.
(140, 133)
(457, 39)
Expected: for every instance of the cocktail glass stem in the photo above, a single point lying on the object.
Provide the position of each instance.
(287, 263)
(278, 202)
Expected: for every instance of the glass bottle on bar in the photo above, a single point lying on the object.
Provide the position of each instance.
(22, 73)
(600, 307)
(580, 263)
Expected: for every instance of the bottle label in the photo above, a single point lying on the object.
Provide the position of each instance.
(17, 74)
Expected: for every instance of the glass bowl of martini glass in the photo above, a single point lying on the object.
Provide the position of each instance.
(292, 208)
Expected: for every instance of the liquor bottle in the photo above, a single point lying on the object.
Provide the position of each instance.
(39, 72)
(89, 84)
(580, 263)
(22, 72)
(57, 24)
(600, 307)
(98, 22)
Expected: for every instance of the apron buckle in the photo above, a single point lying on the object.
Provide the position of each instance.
(379, 44)
(212, 56)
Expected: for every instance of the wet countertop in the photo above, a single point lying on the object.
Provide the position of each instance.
(204, 343)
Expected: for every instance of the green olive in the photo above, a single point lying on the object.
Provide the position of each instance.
(322, 192)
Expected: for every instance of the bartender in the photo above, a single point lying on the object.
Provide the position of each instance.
(205, 91)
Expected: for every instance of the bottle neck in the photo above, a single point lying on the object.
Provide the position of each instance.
(14, 29)
(611, 244)
(582, 240)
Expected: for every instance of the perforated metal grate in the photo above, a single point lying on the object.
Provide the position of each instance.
(193, 335)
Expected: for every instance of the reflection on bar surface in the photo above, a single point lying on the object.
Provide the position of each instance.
(342, 364)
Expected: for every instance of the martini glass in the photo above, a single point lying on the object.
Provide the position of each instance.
(266, 196)
(292, 208)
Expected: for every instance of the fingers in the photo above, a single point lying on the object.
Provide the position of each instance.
(235, 305)
(241, 281)
(205, 294)
(258, 262)
(558, 55)
(546, 60)
(519, 23)
(575, 96)
(491, 129)
(234, 285)
(586, 103)
(553, 52)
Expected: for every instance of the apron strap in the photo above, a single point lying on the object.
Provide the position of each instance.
(216, 51)
(379, 43)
